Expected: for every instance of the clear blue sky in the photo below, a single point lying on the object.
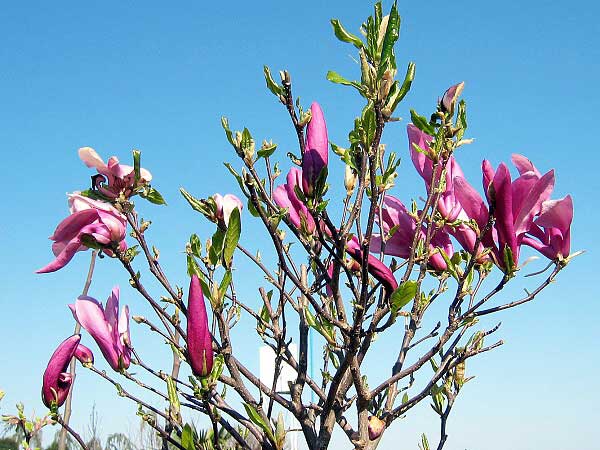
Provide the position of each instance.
(155, 77)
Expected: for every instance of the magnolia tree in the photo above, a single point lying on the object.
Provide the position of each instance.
(363, 264)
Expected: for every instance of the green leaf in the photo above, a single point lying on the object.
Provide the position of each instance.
(335, 77)
(266, 151)
(196, 204)
(216, 247)
(271, 84)
(136, 164)
(251, 209)
(397, 94)
(232, 236)
(255, 417)
(228, 133)
(403, 295)
(421, 123)
(343, 35)
(174, 403)
(461, 119)
(225, 282)
(192, 267)
(187, 438)
(237, 176)
(392, 33)
(153, 196)
(195, 245)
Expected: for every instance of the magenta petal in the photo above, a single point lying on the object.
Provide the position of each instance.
(90, 315)
(557, 214)
(471, 202)
(199, 340)
(84, 355)
(63, 258)
(503, 212)
(375, 267)
(421, 162)
(531, 204)
(70, 226)
(524, 165)
(56, 382)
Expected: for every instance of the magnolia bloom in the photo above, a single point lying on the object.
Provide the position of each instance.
(516, 204)
(285, 197)
(376, 268)
(315, 156)
(115, 178)
(396, 216)
(92, 224)
(552, 228)
(225, 205)
(199, 340)
(448, 205)
(57, 380)
(109, 330)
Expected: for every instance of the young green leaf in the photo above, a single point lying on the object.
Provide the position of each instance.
(232, 236)
(343, 35)
(153, 196)
(403, 295)
(271, 84)
(392, 33)
(421, 123)
(255, 417)
(187, 438)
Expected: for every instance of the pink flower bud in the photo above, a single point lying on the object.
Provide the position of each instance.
(57, 380)
(376, 427)
(315, 156)
(84, 355)
(199, 339)
(225, 205)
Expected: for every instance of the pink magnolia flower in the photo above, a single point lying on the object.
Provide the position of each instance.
(448, 205)
(199, 340)
(57, 380)
(376, 268)
(285, 197)
(516, 204)
(109, 330)
(396, 216)
(552, 228)
(115, 178)
(315, 157)
(225, 205)
(92, 224)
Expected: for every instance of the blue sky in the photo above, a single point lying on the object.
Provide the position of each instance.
(118, 76)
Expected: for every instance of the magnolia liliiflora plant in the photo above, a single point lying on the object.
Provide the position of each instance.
(362, 265)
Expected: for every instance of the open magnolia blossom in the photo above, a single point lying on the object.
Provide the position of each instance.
(92, 224)
(114, 178)
(109, 330)
(348, 262)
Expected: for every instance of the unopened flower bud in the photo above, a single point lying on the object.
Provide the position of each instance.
(84, 355)
(376, 427)
(350, 178)
(451, 96)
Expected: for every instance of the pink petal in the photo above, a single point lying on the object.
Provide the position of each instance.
(524, 165)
